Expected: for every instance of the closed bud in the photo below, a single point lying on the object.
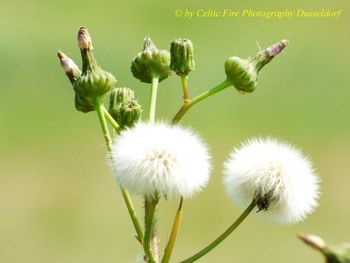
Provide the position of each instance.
(83, 104)
(93, 82)
(70, 68)
(84, 39)
(243, 73)
(151, 63)
(182, 60)
(332, 254)
(265, 56)
(124, 108)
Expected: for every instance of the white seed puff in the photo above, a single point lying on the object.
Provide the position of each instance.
(160, 158)
(268, 168)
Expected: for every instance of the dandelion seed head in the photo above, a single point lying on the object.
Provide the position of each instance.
(276, 172)
(161, 159)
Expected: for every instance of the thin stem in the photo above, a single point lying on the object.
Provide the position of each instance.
(199, 98)
(153, 99)
(185, 89)
(110, 119)
(131, 210)
(150, 208)
(151, 240)
(222, 237)
(100, 109)
(169, 247)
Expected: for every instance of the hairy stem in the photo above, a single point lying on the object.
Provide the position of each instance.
(150, 244)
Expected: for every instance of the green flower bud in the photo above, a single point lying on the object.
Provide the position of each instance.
(333, 254)
(83, 104)
(151, 63)
(123, 107)
(337, 254)
(182, 61)
(94, 84)
(94, 81)
(243, 73)
(70, 68)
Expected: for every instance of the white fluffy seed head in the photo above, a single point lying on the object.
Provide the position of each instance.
(160, 159)
(268, 168)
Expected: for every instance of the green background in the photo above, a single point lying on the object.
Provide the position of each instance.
(58, 201)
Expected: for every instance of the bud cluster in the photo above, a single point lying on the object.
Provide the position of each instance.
(123, 107)
(92, 81)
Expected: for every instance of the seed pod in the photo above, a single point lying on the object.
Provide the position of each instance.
(151, 63)
(182, 60)
(123, 107)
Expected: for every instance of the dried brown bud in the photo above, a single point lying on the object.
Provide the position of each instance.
(84, 39)
(313, 241)
(70, 68)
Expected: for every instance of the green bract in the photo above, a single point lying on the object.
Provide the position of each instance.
(94, 83)
(83, 104)
(123, 107)
(182, 60)
(241, 73)
(151, 63)
(337, 254)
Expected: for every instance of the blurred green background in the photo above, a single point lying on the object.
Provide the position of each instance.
(58, 201)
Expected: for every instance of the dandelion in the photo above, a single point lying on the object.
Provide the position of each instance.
(158, 158)
(276, 175)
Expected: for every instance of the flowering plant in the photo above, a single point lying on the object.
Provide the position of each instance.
(165, 160)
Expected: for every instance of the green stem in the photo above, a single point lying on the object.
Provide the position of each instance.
(150, 209)
(185, 89)
(169, 248)
(111, 121)
(199, 98)
(224, 235)
(132, 213)
(89, 62)
(153, 100)
(100, 109)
